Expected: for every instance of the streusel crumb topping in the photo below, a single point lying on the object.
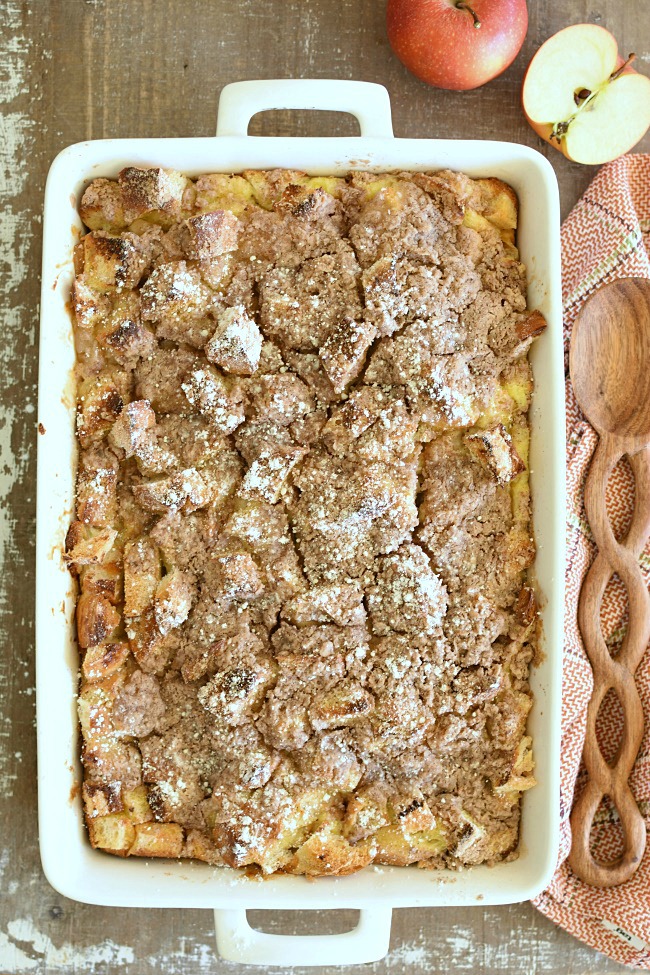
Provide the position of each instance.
(302, 524)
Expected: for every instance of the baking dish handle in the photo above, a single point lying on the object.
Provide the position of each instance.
(368, 102)
(238, 941)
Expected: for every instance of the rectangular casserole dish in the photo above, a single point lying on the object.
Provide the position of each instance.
(70, 864)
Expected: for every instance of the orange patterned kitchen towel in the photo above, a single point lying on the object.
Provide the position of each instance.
(603, 238)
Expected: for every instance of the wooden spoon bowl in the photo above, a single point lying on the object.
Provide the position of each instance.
(610, 359)
(610, 372)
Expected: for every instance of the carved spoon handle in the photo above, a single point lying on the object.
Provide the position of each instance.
(613, 673)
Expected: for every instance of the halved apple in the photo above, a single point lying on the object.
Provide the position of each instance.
(584, 99)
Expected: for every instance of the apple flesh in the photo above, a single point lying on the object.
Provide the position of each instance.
(583, 99)
(455, 44)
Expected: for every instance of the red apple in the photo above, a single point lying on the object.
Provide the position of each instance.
(456, 44)
(584, 99)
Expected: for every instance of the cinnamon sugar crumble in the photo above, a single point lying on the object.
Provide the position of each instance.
(303, 519)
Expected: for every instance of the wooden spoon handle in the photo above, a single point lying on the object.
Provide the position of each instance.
(613, 673)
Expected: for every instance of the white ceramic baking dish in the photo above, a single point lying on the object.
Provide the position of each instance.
(71, 866)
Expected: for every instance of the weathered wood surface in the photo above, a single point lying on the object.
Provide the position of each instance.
(73, 70)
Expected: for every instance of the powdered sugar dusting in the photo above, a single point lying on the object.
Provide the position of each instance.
(313, 747)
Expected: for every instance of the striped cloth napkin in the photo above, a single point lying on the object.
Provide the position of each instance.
(606, 236)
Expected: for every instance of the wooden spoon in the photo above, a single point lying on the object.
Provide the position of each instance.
(610, 372)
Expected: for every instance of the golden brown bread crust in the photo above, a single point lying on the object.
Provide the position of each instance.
(302, 520)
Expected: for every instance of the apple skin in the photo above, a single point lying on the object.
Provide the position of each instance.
(438, 42)
(544, 129)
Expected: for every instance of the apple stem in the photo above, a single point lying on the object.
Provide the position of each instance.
(619, 71)
(461, 5)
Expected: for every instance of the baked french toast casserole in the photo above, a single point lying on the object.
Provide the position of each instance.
(302, 534)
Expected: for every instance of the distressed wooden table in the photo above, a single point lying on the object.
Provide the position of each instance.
(73, 70)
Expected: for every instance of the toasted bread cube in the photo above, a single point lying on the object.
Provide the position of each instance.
(133, 427)
(97, 496)
(101, 206)
(218, 192)
(396, 848)
(364, 815)
(333, 185)
(209, 235)
(108, 758)
(301, 201)
(173, 600)
(236, 575)
(147, 190)
(267, 474)
(327, 852)
(136, 805)
(90, 305)
(371, 184)
(112, 262)
(142, 574)
(101, 400)
(472, 834)
(101, 799)
(269, 185)
(519, 550)
(157, 840)
(147, 643)
(94, 706)
(498, 203)
(508, 730)
(198, 846)
(275, 833)
(408, 596)
(344, 351)
(413, 814)
(477, 844)
(114, 833)
(150, 450)
(452, 190)
(379, 422)
(78, 259)
(87, 547)
(521, 775)
(123, 336)
(232, 695)
(496, 452)
(96, 619)
(342, 706)
(525, 607)
(184, 491)
(104, 579)
(476, 221)
(282, 398)
(513, 337)
(531, 325)
(101, 661)
(518, 384)
(215, 398)
(237, 342)
(175, 291)
(222, 478)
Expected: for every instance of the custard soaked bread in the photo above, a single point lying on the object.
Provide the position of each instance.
(302, 525)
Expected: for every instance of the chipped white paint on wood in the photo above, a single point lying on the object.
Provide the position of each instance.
(16, 328)
(26, 948)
